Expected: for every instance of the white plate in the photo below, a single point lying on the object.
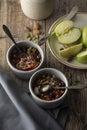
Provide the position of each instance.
(80, 20)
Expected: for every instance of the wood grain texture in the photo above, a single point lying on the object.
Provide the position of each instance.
(12, 15)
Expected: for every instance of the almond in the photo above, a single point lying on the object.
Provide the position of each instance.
(26, 28)
(36, 26)
(36, 31)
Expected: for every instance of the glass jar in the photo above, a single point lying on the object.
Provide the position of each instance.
(37, 9)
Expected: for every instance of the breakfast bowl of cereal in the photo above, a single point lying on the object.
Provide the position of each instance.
(26, 63)
(43, 86)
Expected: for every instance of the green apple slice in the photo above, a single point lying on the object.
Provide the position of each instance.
(70, 37)
(71, 51)
(63, 27)
(82, 57)
(84, 36)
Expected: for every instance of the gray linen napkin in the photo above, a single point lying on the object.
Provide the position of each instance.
(19, 112)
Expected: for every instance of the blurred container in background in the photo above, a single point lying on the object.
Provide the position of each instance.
(37, 9)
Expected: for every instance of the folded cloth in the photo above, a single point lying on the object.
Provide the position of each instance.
(18, 111)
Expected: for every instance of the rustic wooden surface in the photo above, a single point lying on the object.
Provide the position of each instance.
(12, 15)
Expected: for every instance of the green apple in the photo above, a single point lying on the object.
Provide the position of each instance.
(82, 57)
(63, 27)
(66, 33)
(71, 51)
(84, 36)
(70, 37)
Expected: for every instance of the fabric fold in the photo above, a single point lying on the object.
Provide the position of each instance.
(32, 116)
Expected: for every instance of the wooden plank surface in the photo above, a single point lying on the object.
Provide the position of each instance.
(12, 15)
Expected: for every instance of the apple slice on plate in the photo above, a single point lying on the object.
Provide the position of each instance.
(82, 57)
(71, 51)
(67, 33)
(63, 27)
(70, 37)
(84, 36)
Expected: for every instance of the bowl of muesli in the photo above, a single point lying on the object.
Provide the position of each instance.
(44, 87)
(25, 65)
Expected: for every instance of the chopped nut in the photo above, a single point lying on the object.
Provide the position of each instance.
(29, 38)
(36, 40)
(33, 34)
(36, 31)
(26, 28)
(27, 35)
(36, 26)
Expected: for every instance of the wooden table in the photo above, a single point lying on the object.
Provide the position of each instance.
(12, 15)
